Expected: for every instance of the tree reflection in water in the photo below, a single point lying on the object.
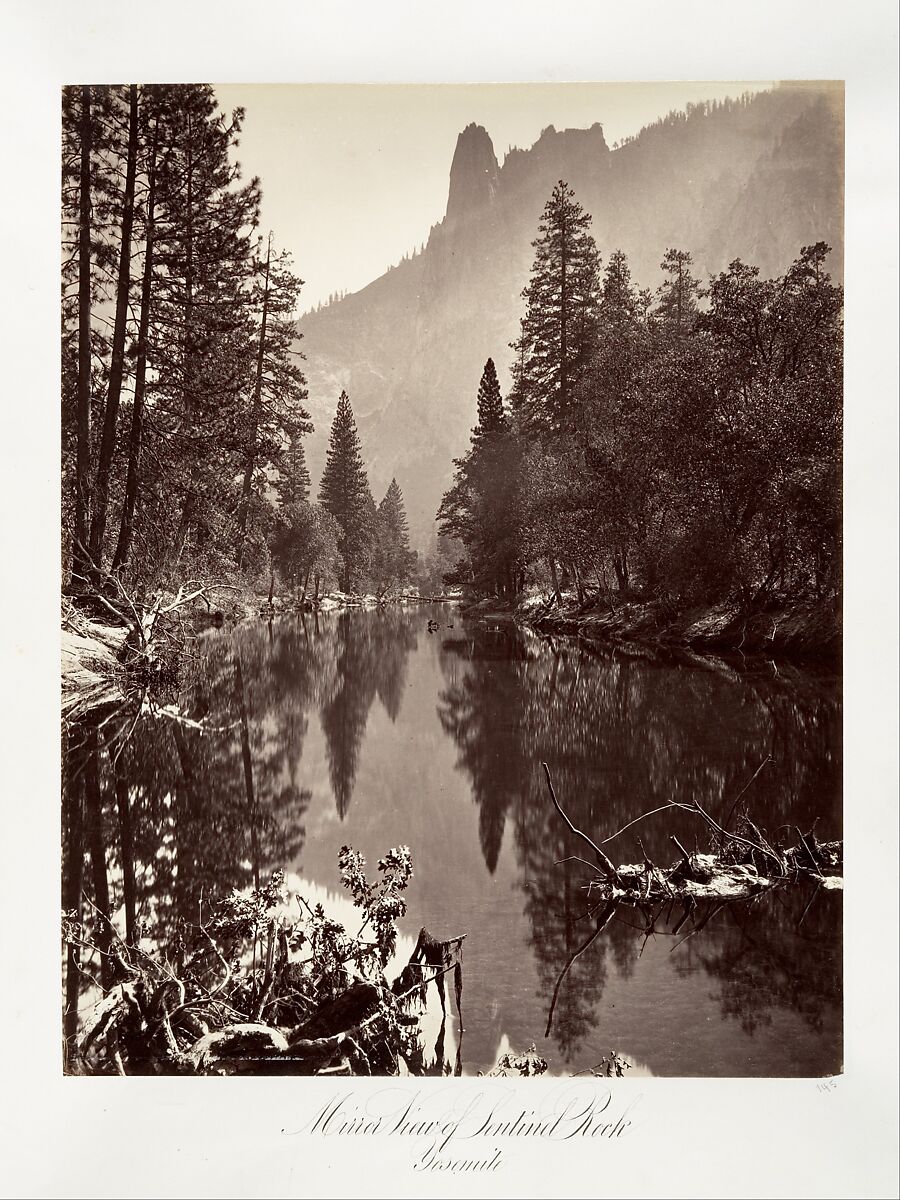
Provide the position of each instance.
(369, 650)
(176, 815)
(624, 733)
(173, 817)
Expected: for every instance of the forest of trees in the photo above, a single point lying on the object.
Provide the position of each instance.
(684, 444)
(183, 395)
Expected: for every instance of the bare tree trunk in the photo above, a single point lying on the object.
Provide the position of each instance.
(579, 586)
(189, 505)
(556, 592)
(620, 566)
(71, 895)
(80, 555)
(97, 850)
(248, 769)
(250, 467)
(126, 528)
(117, 363)
(126, 836)
(271, 584)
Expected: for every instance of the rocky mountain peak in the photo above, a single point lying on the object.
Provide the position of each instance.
(474, 173)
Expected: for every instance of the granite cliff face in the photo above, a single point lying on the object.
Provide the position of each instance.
(755, 180)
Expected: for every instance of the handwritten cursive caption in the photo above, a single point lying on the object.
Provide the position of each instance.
(468, 1130)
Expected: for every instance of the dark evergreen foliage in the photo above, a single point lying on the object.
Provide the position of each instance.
(344, 492)
(687, 447)
(482, 508)
(560, 318)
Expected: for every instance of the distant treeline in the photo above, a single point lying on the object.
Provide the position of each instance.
(685, 443)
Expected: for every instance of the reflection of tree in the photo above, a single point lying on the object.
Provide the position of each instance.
(345, 715)
(175, 817)
(481, 709)
(175, 814)
(777, 955)
(393, 639)
(370, 651)
(624, 734)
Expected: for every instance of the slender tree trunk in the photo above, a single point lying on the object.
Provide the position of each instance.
(556, 592)
(250, 467)
(126, 838)
(80, 554)
(248, 769)
(305, 586)
(132, 478)
(564, 326)
(97, 851)
(579, 586)
(620, 566)
(189, 504)
(117, 363)
(71, 895)
(271, 584)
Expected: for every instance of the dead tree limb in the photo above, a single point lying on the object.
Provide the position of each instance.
(602, 859)
(602, 921)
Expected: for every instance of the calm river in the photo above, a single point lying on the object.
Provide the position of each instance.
(367, 728)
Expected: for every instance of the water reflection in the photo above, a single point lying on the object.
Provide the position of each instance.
(370, 659)
(625, 734)
(282, 733)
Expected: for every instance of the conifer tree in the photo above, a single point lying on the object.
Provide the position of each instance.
(276, 409)
(392, 559)
(676, 303)
(202, 340)
(344, 492)
(491, 417)
(83, 127)
(558, 327)
(117, 361)
(293, 481)
(481, 509)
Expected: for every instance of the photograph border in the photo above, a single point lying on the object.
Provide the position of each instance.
(252, 1137)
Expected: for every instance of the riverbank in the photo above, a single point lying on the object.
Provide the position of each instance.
(103, 646)
(329, 601)
(791, 629)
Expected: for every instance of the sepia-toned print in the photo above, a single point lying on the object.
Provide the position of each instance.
(452, 569)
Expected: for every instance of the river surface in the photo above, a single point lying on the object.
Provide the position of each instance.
(372, 729)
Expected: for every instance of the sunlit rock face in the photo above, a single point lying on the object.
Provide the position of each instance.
(756, 180)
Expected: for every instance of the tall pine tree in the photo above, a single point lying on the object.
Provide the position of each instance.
(491, 417)
(481, 509)
(392, 559)
(344, 492)
(558, 328)
(676, 304)
(276, 412)
(293, 481)
(202, 343)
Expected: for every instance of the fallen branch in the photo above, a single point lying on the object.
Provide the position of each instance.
(739, 868)
(602, 859)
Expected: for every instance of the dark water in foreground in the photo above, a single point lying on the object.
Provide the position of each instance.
(365, 728)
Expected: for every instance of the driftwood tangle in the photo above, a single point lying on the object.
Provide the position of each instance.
(741, 865)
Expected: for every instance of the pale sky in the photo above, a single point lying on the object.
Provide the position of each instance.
(354, 176)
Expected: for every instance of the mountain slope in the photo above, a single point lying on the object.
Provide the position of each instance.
(753, 179)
